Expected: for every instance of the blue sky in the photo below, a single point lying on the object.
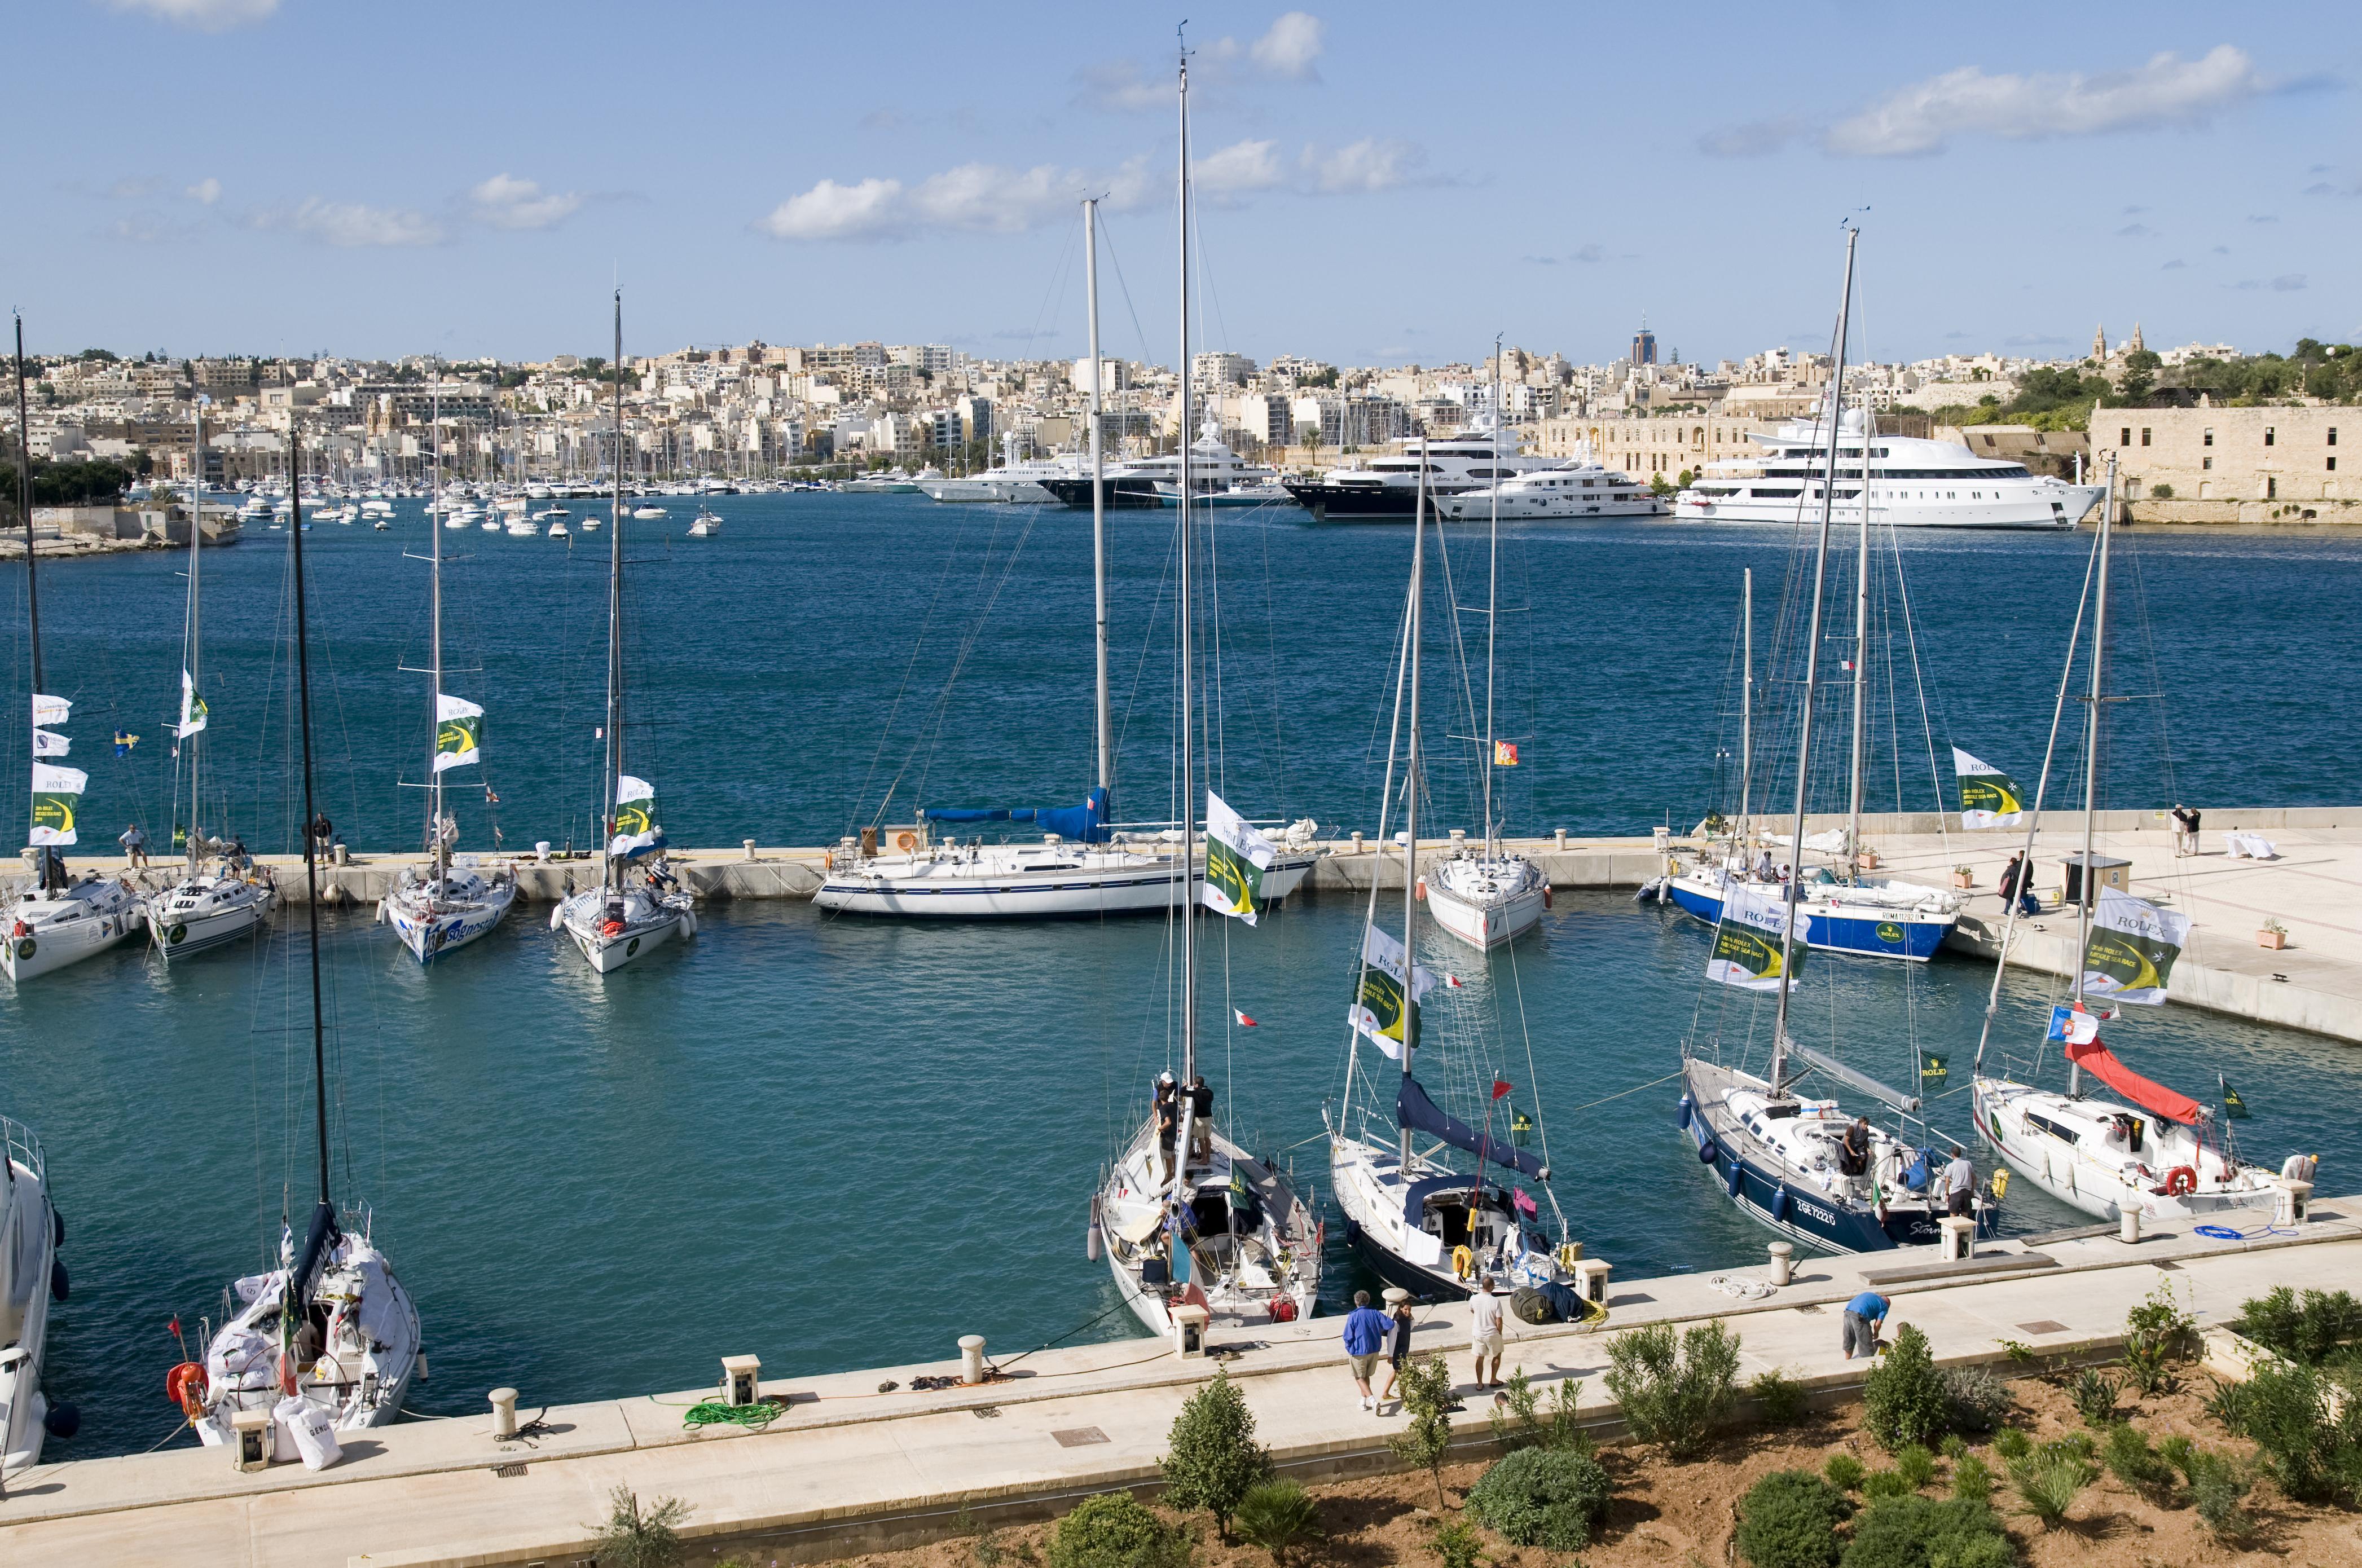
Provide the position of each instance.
(1378, 183)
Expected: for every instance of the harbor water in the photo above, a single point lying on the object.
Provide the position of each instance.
(837, 1144)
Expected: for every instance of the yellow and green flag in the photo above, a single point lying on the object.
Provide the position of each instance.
(1746, 951)
(1380, 1012)
(1236, 859)
(57, 796)
(458, 731)
(1989, 798)
(2132, 948)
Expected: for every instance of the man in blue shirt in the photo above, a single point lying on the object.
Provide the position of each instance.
(1365, 1336)
(1863, 1315)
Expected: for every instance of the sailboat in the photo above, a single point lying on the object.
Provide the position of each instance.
(1081, 866)
(215, 903)
(1227, 1233)
(438, 908)
(1779, 1155)
(330, 1329)
(1491, 896)
(2149, 1147)
(624, 916)
(56, 921)
(1882, 917)
(1415, 1218)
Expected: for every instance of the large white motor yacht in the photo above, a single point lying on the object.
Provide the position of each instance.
(1388, 487)
(1215, 472)
(1015, 480)
(1579, 488)
(1914, 483)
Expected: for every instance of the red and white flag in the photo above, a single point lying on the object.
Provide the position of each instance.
(1244, 1021)
(1454, 981)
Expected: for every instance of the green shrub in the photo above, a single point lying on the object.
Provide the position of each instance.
(1879, 1486)
(1845, 1471)
(1519, 1420)
(2132, 1461)
(2314, 1457)
(1426, 1442)
(1277, 1515)
(1779, 1399)
(1904, 1399)
(1953, 1446)
(2229, 1404)
(1981, 1401)
(1789, 1519)
(2094, 1393)
(1674, 1393)
(1973, 1481)
(2049, 1479)
(1115, 1530)
(2310, 1328)
(1921, 1532)
(2177, 1451)
(1457, 1544)
(2012, 1444)
(634, 1536)
(1539, 1497)
(2157, 1333)
(2217, 1490)
(1914, 1464)
(1211, 1459)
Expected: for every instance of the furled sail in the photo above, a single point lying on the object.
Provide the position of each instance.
(1086, 823)
(2100, 1062)
(1414, 1110)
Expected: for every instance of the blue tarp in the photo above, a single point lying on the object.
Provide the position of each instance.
(1086, 823)
(1414, 1110)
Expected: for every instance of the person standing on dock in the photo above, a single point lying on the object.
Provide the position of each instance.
(134, 840)
(2011, 875)
(1863, 1316)
(1399, 1351)
(1959, 1183)
(1365, 1336)
(1485, 1327)
(2185, 831)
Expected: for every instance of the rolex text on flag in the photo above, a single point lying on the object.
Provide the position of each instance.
(2132, 948)
(458, 731)
(1989, 798)
(56, 794)
(1746, 940)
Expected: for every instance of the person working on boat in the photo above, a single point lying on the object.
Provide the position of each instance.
(1365, 1336)
(1168, 1112)
(1853, 1148)
(1484, 1331)
(1201, 1120)
(134, 840)
(1764, 871)
(1863, 1316)
(1959, 1183)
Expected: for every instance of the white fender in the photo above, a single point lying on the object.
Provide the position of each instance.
(687, 925)
(557, 914)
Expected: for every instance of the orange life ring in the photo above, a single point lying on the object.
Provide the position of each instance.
(185, 1387)
(2181, 1181)
(906, 841)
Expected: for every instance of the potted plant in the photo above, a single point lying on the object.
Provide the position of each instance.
(1868, 859)
(2274, 935)
(1963, 877)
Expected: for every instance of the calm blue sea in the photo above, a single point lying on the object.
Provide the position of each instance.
(837, 1144)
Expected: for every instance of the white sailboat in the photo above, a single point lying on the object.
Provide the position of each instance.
(215, 903)
(1082, 865)
(625, 917)
(31, 1277)
(439, 907)
(1491, 896)
(705, 525)
(2148, 1148)
(1226, 1233)
(330, 1331)
(1415, 1219)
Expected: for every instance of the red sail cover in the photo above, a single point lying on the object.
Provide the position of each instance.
(2096, 1059)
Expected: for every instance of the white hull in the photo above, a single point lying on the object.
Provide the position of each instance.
(360, 1376)
(2036, 512)
(988, 488)
(1024, 882)
(29, 1243)
(648, 924)
(1486, 903)
(2097, 1172)
(1242, 1278)
(1420, 1254)
(48, 932)
(206, 912)
(435, 923)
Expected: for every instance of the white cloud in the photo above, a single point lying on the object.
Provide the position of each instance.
(1291, 47)
(506, 202)
(2168, 90)
(205, 191)
(205, 15)
(1240, 168)
(869, 210)
(353, 226)
(1367, 165)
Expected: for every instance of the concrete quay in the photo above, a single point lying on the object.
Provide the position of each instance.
(859, 1462)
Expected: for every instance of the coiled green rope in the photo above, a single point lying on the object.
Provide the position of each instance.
(715, 1413)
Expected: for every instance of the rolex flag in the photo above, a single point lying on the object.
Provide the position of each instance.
(458, 731)
(1989, 798)
(193, 707)
(636, 830)
(2132, 948)
(1378, 1012)
(49, 710)
(57, 793)
(1236, 859)
(1746, 951)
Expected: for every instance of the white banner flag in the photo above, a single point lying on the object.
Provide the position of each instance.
(57, 796)
(458, 731)
(1378, 1012)
(49, 710)
(1236, 859)
(2132, 949)
(48, 742)
(636, 830)
(193, 708)
(1989, 798)
(1747, 940)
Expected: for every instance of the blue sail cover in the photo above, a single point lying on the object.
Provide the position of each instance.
(1414, 1110)
(1086, 823)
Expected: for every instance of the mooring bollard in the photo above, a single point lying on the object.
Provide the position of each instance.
(972, 1359)
(2127, 1224)
(1357, 847)
(1783, 1262)
(1560, 836)
(750, 847)
(503, 1414)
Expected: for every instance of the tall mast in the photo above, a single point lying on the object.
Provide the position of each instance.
(2089, 898)
(1860, 642)
(611, 873)
(435, 697)
(1105, 717)
(1789, 935)
(197, 606)
(25, 502)
(311, 841)
(1492, 599)
(1410, 792)
(1188, 691)
(1745, 705)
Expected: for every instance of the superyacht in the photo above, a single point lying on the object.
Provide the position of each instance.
(1914, 483)
(1577, 487)
(1015, 480)
(1388, 486)
(1215, 472)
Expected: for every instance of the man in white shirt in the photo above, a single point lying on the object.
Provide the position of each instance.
(1485, 1323)
(1959, 1183)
